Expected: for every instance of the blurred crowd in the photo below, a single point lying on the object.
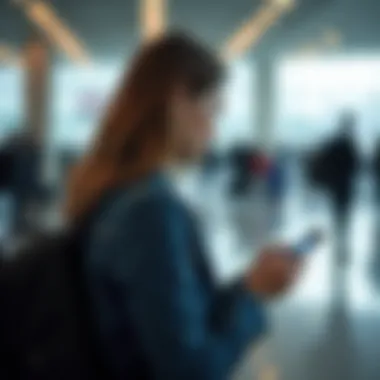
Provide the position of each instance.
(332, 168)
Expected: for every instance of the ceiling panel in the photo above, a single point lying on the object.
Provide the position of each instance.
(109, 29)
(14, 29)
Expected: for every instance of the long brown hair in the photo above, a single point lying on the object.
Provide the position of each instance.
(133, 138)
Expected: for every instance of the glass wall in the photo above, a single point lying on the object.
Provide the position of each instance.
(11, 100)
(236, 123)
(78, 96)
(79, 99)
(313, 93)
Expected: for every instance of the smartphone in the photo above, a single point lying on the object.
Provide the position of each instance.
(309, 243)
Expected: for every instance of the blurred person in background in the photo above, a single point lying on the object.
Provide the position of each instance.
(376, 171)
(159, 314)
(20, 176)
(335, 169)
(245, 163)
(375, 168)
(277, 184)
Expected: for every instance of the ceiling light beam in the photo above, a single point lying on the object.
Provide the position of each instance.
(46, 19)
(250, 33)
(153, 18)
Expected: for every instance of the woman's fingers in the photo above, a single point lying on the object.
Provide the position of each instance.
(275, 271)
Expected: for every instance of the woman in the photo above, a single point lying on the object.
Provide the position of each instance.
(158, 313)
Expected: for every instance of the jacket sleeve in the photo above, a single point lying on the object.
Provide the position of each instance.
(183, 332)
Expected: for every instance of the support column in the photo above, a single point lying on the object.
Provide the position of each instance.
(37, 65)
(266, 100)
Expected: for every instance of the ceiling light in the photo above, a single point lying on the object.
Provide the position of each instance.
(250, 33)
(45, 18)
(153, 18)
(284, 3)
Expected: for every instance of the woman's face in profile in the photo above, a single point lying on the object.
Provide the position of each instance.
(192, 122)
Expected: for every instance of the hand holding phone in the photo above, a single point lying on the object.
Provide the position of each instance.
(274, 272)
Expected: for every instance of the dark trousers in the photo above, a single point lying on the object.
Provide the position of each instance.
(341, 203)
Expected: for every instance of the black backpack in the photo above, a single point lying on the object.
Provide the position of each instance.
(46, 330)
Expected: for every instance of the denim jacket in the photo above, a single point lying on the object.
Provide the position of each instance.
(159, 315)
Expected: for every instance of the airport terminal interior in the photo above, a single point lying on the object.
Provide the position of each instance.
(299, 73)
